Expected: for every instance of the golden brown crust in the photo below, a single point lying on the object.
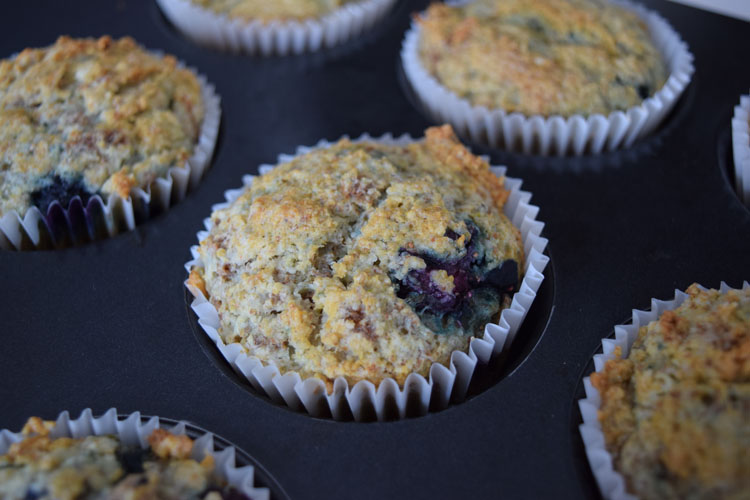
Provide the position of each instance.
(275, 10)
(675, 413)
(312, 265)
(548, 57)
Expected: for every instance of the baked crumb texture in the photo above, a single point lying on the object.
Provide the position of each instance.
(676, 413)
(363, 261)
(278, 10)
(277, 27)
(542, 57)
(43, 462)
(88, 117)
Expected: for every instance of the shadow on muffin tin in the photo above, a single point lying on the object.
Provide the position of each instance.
(527, 338)
(586, 162)
(261, 476)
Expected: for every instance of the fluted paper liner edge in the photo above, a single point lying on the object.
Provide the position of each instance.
(741, 148)
(133, 431)
(611, 483)
(388, 400)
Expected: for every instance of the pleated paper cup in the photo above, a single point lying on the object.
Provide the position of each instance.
(386, 401)
(555, 135)
(106, 216)
(611, 483)
(134, 430)
(219, 31)
(741, 148)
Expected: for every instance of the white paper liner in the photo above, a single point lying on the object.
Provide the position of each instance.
(611, 483)
(132, 431)
(741, 148)
(387, 401)
(120, 214)
(556, 135)
(205, 27)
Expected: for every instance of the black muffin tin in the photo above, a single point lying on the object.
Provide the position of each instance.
(108, 324)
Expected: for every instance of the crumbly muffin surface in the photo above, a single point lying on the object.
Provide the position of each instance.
(676, 413)
(276, 10)
(100, 467)
(363, 260)
(548, 57)
(88, 116)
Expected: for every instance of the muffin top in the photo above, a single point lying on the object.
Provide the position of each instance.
(96, 467)
(363, 260)
(275, 10)
(85, 117)
(675, 413)
(546, 57)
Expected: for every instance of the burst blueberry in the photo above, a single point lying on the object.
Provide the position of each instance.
(61, 189)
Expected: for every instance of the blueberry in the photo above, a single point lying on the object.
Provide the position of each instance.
(34, 495)
(644, 91)
(476, 295)
(131, 459)
(62, 189)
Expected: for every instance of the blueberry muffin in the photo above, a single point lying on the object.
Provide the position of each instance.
(541, 57)
(363, 260)
(676, 413)
(277, 10)
(95, 467)
(85, 117)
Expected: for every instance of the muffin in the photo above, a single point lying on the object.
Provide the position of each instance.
(87, 117)
(363, 261)
(477, 62)
(273, 27)
(43, 466)
(675, 413)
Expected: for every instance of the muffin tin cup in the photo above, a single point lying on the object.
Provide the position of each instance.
(611, 483)
(219, 31)
(741, 148)
(387, 401)
(105, 217)
(134, 431)
(555, 135)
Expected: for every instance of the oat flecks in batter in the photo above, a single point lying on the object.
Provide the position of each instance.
(676, 413)
(363, 260)
(88, 116)
(547, 57)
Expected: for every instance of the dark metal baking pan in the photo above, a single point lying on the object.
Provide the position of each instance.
(106, 324)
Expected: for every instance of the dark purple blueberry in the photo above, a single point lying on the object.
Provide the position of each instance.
(131, 459)
(504, 277)
(59, 189)
(34, 495)
(644, 91)
(477, 292)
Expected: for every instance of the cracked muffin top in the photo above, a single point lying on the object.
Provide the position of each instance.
(85, 117)
(363, 260)
(546, 57)
(276, 10)
(676, 413)
(96, 467)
